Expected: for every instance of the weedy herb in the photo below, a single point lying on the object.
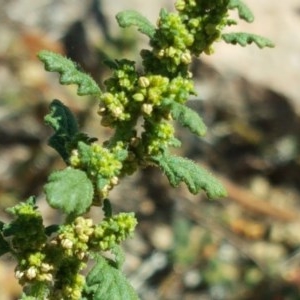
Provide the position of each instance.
(50, 259)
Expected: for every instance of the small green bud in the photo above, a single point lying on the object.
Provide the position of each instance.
(180, 5)
(170, 52)
(117, 112)
(75, 294)
(211, 29)
(125, 82)
(31, 273)
(35, 259)
(147, 108)
(186, 58)
(67, 244)
(19, 274)
(83, 238)
(45, 277)
(89, 222)
(74, 159)
(139, 97)
(143, 82)
(80, 255)
(209, 50)
(161, 53)
(103, 245)
(107, 98)
(114, 180)
(46, 267)
(194, 22)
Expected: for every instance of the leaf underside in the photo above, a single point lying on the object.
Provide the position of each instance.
(245, 39)
(187, 117)
(179, 169)
(129, 18)
(69, 190)
(105, 282)
(69, 73)
(244, 12)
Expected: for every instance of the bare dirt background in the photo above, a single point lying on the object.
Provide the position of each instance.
(186, 247)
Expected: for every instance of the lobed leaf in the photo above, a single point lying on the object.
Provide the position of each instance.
(107, 209)
(64, 123)
(179, 169)
(243, 10)
(10, 229)
(105, 282)
(244, 39)
(69, 190)
(69, 73)
(187, 117)
(129, 18)
(4, 245)
(51, 229)
(119, 256)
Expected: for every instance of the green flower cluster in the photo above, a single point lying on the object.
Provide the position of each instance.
(113, 230)
(34, 268)
(51, 266)
(73, 238)
(102, 165)
(81, 237)
(71, 283)
(158, 136)
(205, 21)
(115, 106)
(28, 242)
(152, 89)
(26, 216)
(125, 101)
(166, 76)
(128, 94)
(170, 47)
(189, 31)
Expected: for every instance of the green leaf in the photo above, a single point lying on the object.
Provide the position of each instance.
(69, 190)
(244, 12)
(129, 18)
(51, 229)
(119, 256)
(111, 63)
(64, 123)
(105, 282)
(10, 229)
(106, 207)
(4, 245)
(69, 73)
(179, 169)
(188, 118)
(244, 39)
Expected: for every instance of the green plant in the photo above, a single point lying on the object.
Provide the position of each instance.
(50, 259)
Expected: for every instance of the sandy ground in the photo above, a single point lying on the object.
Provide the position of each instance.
(258, 156)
